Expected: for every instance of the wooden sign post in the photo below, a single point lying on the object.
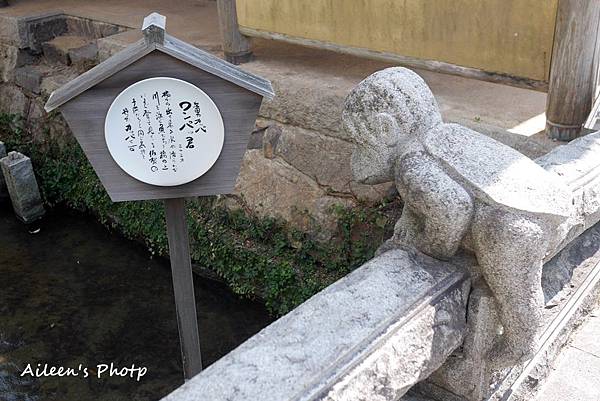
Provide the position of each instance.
(183, 286)
(165, 120)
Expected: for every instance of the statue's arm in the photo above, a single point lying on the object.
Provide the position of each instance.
(437, 210)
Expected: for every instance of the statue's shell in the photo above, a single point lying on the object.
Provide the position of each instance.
(497, 172)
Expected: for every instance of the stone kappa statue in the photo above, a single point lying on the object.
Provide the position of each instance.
(460, 189)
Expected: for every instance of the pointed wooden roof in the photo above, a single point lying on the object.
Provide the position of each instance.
(155, 39)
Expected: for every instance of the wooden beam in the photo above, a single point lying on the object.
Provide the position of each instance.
(183, 286)
(236, 46)
(573, 71)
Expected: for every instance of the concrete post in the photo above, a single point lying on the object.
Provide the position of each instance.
(236, 46)
(22, 187)
(573, 72)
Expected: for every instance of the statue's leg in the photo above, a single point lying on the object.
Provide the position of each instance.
(404, 231)
(510, 249)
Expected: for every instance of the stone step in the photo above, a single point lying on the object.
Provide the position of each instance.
(70, 49)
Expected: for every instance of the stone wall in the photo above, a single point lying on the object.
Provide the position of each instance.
(297, 163)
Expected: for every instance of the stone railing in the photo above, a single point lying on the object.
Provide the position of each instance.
(369, 336)
(396, 320)
(391, 323)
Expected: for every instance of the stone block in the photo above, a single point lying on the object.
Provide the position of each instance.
(256, 139)
(44, 28)
(12, 32)
(113, 44)
(370, 336)
(271, 140)
(3, 189)
(323, 158)
(13, 100)
(11, 58)
(29, 78)
(58, 49)
(52, 82)
(305, 104)
(84, 57)
(22, 187)
(274, 188)
(465, 373)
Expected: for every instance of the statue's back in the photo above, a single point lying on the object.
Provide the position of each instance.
(497, 172)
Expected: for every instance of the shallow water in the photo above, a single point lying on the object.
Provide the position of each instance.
(76, 293)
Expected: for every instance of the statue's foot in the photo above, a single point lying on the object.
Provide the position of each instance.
(506, 353)
(387, 246)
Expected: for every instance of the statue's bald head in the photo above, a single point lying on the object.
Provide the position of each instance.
(386, 111)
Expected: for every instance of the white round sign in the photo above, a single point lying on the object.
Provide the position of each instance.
(164, 131)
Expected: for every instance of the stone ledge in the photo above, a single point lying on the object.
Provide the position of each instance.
(371, 335)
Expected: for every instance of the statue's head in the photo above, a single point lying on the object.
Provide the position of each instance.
(383, 115)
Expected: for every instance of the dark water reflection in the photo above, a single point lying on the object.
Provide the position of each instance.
(78, 294)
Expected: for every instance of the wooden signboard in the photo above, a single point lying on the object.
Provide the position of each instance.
(165, 120)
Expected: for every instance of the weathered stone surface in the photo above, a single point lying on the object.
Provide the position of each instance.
(270, 140)
(22, 187)
(13, 100)
(461, 188)
(29, 78)
(111, 45)
(567, 282)
(256, 139)
(577, 165)
(84, 57)
(498, 172)
(3, 188)
(58, 50)
(325, 159)
(465, 373)
(275, 188)
(54, 81)
(12, 32)
(305, 104)
(42, 29)
(91, 28)
(8, 61)
(11, 58)
(370, 336)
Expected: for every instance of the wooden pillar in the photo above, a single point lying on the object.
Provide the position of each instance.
(236, 46)
(183, 286)
(572, 74)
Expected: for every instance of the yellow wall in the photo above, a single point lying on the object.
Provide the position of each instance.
(506, 36)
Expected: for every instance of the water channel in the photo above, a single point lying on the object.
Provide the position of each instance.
(77, 295)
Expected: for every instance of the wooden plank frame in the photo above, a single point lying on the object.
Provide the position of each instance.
(85, 101)
(238, 106)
